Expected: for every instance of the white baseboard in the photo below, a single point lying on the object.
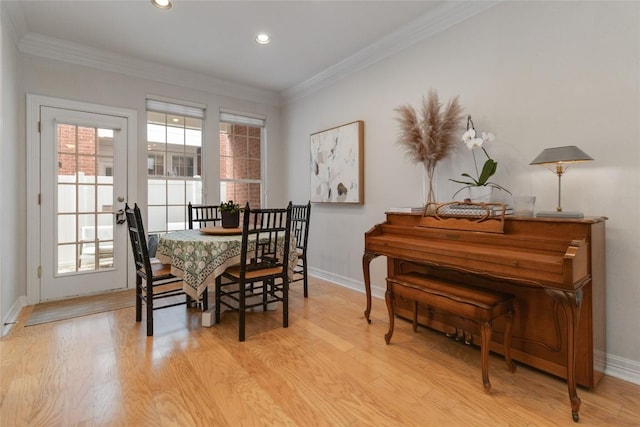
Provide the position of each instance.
(345, 282)
(616, 366)
(624, 369)
(11, 317)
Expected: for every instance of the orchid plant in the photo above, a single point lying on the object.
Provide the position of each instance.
(472, 141)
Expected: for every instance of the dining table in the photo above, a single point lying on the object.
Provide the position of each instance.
(198, 256)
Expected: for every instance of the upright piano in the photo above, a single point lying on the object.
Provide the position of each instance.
(555, 268)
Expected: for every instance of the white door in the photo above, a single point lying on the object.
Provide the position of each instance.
(83, 186)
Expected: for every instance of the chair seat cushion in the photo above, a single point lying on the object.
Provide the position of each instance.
(161, 271)
(234, 271)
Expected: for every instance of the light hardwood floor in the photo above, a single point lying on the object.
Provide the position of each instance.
(329, 368)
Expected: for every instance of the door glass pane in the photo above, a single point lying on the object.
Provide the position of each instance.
(106, 220)
(67, 228)
(66, 197)
(86, 169)
(86, 140)
(67, 168)
(67, 139)
(105, 198)
(66, 258)
(85, 198)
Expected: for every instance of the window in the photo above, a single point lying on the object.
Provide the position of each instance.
(155, 165)
(182, 165)
(174, 170)
(241, 147)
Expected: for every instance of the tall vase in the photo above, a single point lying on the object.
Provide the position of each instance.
(428, 189)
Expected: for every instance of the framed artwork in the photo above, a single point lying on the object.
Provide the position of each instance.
(337, 164)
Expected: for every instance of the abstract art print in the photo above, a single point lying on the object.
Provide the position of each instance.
(337, 161)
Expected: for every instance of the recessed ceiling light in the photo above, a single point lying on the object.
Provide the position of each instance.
(162, 4)
(263, 38)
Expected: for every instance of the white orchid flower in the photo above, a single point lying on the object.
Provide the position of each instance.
(488, 136)
(468, 135)
(474, 143)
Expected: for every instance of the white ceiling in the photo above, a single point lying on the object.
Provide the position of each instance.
(216, 38)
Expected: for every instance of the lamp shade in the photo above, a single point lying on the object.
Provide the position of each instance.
(568, 154)
(560, 158)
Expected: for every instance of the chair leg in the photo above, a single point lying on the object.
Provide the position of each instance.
(304, 273)
(267, 288)
(241, 310)
(205, 299)
(285, 302)
(217, 293)
(149, 284)
(138, 298)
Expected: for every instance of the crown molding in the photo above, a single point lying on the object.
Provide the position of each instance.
(447, 14)
(12, 18)
(75, 53)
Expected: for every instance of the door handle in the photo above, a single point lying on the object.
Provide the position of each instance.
(120, 217)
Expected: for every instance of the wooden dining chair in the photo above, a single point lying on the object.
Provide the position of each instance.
(300, 216)
(203, 215)
(154, 281)
(261, 278)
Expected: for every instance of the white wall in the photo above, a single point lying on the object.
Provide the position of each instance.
(537, 75)
(12, 265)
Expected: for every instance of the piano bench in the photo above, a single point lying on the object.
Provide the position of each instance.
(478, 305)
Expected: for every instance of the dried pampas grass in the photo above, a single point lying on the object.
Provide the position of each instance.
(430, 136)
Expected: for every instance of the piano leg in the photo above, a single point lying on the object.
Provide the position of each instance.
(511, 365)
(366, 260)
(571, 303)
(388, 298)
(485, 334)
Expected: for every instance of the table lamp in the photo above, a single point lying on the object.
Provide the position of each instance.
(558, 160)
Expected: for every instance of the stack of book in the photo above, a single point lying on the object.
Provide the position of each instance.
(407, 209)
(463, 209)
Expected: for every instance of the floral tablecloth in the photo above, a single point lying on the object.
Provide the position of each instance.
(199, 258)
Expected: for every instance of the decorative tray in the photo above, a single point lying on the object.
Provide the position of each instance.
(219, 231)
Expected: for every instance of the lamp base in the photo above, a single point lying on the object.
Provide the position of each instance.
(559, 214)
